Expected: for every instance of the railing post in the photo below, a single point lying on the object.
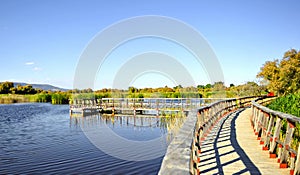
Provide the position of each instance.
(268, 132)
(297, 164)
(287, 143)
(257, 122)
(254, 117)
(253, 114)
(202, 121)
(157, 105)
(195, 151)
(276, 135)
(292, 163)
(264, 133)
(205, 127)
(181, 104)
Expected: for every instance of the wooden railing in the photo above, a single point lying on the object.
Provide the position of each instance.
(182, 156)
(206, 118)
(154, 106)
(275, 131)
(185, 103)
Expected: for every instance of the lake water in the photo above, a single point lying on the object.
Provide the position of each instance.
(39, 138)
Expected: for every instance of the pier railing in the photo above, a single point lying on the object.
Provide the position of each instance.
(183, 153)
(278, 133)
(153, 103)
(141, 105)
(144, 102)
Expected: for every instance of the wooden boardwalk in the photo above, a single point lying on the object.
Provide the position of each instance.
(231, 147)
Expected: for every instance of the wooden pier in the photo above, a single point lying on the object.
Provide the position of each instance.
(83, 111)
(133, 106)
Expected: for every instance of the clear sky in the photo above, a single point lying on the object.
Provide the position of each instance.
(41, 41)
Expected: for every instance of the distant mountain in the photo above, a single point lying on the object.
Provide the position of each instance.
(45, 87)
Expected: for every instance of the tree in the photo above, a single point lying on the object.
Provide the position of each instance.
(132, 89)
(88, 90)
(290, 72)
(27, 89)
(200, 86)
(251, 88)
(270, 73)
(282, 76)
(177, 88)
(218, 90)
(208, 86)
(219, 86)
(5, 87)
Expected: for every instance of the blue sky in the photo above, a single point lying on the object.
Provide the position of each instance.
(41, 41)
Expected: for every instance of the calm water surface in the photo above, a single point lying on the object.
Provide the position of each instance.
(40, 138)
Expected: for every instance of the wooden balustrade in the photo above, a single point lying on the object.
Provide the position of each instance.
(183, 153)
(141, 102)
(134, 105)
(275, 131)
(206, 118)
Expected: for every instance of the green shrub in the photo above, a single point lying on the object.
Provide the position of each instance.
(288, 104)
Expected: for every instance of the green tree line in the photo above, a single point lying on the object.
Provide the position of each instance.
(9, 88)
(29, 94)
(26, 93)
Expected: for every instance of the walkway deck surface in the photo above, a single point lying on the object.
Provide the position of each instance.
(232, 148)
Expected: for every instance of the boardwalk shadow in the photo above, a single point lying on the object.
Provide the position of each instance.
(222, 150)
(244, 158)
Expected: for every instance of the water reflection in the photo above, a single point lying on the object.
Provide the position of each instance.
(147, 126)
(40, 138)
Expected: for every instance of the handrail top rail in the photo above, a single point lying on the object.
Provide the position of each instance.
(152, 98)
(282, 115)
(228, 100)
(164, 98)
(220, 99)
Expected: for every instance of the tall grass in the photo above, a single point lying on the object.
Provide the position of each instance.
(9, 98)
(54, 98)
(60, 98)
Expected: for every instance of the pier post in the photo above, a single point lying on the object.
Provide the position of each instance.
(157, 107)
